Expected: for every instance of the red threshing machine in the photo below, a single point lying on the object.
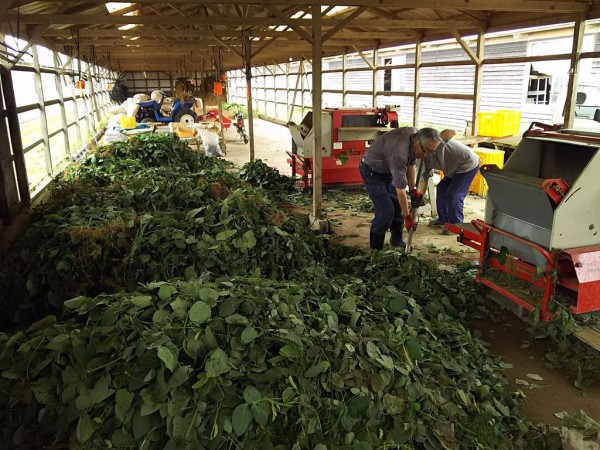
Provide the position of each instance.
(542, 222)
(347, 134)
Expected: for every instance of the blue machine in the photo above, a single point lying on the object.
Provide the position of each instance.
(181, 112)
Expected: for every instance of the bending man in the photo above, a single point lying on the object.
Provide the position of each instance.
(460, 164)
(387, 168)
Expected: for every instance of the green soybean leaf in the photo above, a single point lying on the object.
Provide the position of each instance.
(248, 335)
(165, 292)
(208, 294)
(217, 364)
(236, 319)
(142, 300)
(101, 390)
(251, 395)
(123, 399)
(180, 376)
(317, 369)
(141, 426)
(224, 235)
(413, 346)
(190, 273)
(249, 239)
(260, 415)
(241, 419)
(166, 355)
(200, 312)
(84, 400)
(86, 428)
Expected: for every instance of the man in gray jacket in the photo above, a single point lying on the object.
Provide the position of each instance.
(460, 164)
(387, 169)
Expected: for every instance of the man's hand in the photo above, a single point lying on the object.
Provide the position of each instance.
(410, 223)
(416, 197)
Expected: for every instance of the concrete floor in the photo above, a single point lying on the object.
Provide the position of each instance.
(272, 141)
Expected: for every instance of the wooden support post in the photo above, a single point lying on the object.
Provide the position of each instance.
(15, 138)
(61, 99)
(77, 117)
(87, 104)
(14, 191)
(317, 55)
(303, 68)
(478, 82)
(298, 77)
(287, 87)
(344, 69)
(265, 89)
(578, 32)
(94, 99)
(247, 52)
(374, 68)
(37, 78)
(417, 82)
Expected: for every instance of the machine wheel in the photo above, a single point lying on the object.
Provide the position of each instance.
(186, 116)
(147, 120)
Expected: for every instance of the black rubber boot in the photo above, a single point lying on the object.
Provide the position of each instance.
(396, 240)
(396, 230)
(376, 241)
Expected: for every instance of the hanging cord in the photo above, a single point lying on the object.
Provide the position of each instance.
(75, 37)
(15, 37)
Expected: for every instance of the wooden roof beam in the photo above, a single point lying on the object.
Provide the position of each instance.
(226, 45)
(5, 6)
(465, 47)
(345, 21)
(549, 6)
(362, 55)
(280, 20)
(284, 35)
(307, 37)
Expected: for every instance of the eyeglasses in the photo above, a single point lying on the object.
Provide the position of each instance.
(427, 150)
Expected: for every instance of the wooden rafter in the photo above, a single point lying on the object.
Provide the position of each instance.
(284, 35)
(553, 6)
(290, 23)
(362, 55)
(357, 12)
(465, 46)
(278, 20)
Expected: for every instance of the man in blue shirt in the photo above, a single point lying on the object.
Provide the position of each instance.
(387, 168)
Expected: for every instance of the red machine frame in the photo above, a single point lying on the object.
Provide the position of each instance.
(576, 269)
(342, 166)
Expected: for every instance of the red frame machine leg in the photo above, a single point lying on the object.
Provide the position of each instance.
(576, 269)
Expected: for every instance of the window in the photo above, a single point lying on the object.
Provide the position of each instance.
(538, 91)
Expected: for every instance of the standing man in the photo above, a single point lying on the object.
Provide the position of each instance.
(460, 164)
(387, 168)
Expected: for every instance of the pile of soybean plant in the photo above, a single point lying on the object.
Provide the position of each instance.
(325, 361)
(252, 333)
(144, 210)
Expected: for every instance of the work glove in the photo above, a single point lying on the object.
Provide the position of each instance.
(416, 197)
(409, 223)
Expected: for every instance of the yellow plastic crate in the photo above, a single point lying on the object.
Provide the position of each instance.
(504, 122)
(128, 121)
(488, 156)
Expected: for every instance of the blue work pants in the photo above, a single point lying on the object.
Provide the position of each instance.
(388, 214)
(451, 193)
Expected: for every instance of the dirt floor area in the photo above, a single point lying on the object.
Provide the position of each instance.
(506, 334)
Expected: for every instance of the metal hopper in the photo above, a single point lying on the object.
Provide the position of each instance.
(542, 221)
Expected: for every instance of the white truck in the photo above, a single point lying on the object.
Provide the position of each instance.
(587, 106)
